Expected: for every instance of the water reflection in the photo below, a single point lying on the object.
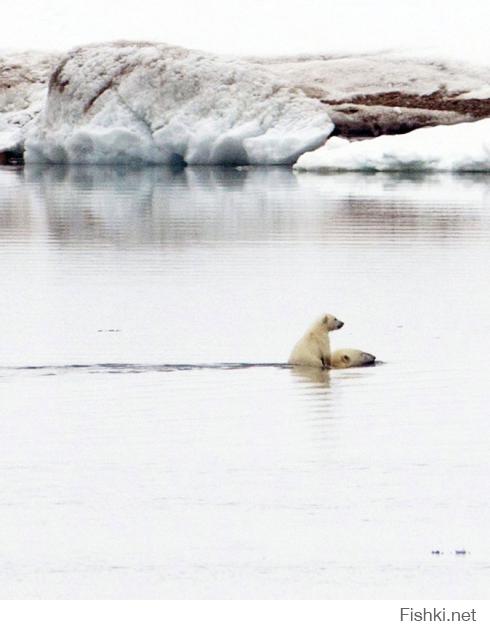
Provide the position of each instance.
(312, 374)
(134, 207)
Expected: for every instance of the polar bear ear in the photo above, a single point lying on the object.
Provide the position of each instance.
(325, 319)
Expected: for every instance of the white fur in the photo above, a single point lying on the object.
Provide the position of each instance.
(350, 357)
(314, 347)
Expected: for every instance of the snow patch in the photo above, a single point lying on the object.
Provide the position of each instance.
(128, 102)
(462, 147)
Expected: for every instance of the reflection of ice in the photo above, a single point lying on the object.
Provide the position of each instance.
(152, 205)
(439, 188)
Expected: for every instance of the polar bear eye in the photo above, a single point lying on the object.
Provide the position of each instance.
(346, 358)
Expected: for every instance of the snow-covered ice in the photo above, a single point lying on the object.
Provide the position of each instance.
(144, 102)
(23, 80)
(128, 102)
(462, 147)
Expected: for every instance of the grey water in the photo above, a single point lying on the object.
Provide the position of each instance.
(154, 445)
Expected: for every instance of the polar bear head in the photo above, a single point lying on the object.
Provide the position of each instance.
(350, 357)
(329, 322)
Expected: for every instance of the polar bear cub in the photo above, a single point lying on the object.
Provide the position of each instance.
(350, 357)
(314, 346)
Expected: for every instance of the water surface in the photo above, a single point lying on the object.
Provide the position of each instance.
(145, 454)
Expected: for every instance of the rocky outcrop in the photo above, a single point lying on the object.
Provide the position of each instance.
(396, 112)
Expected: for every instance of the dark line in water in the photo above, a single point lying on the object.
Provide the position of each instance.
(139, 368)
(118, 368)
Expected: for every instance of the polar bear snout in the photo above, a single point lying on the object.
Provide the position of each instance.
(327, 323)
(368, 358)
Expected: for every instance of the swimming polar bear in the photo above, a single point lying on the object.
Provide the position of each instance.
(350, 357)
(314, 346)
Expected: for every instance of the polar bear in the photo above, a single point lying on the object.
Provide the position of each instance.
(314, 346)
(350, 357)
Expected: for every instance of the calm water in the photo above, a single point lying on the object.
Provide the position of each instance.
(125, 475)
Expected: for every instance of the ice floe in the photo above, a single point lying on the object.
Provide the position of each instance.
(138, 102)
(461, 147)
